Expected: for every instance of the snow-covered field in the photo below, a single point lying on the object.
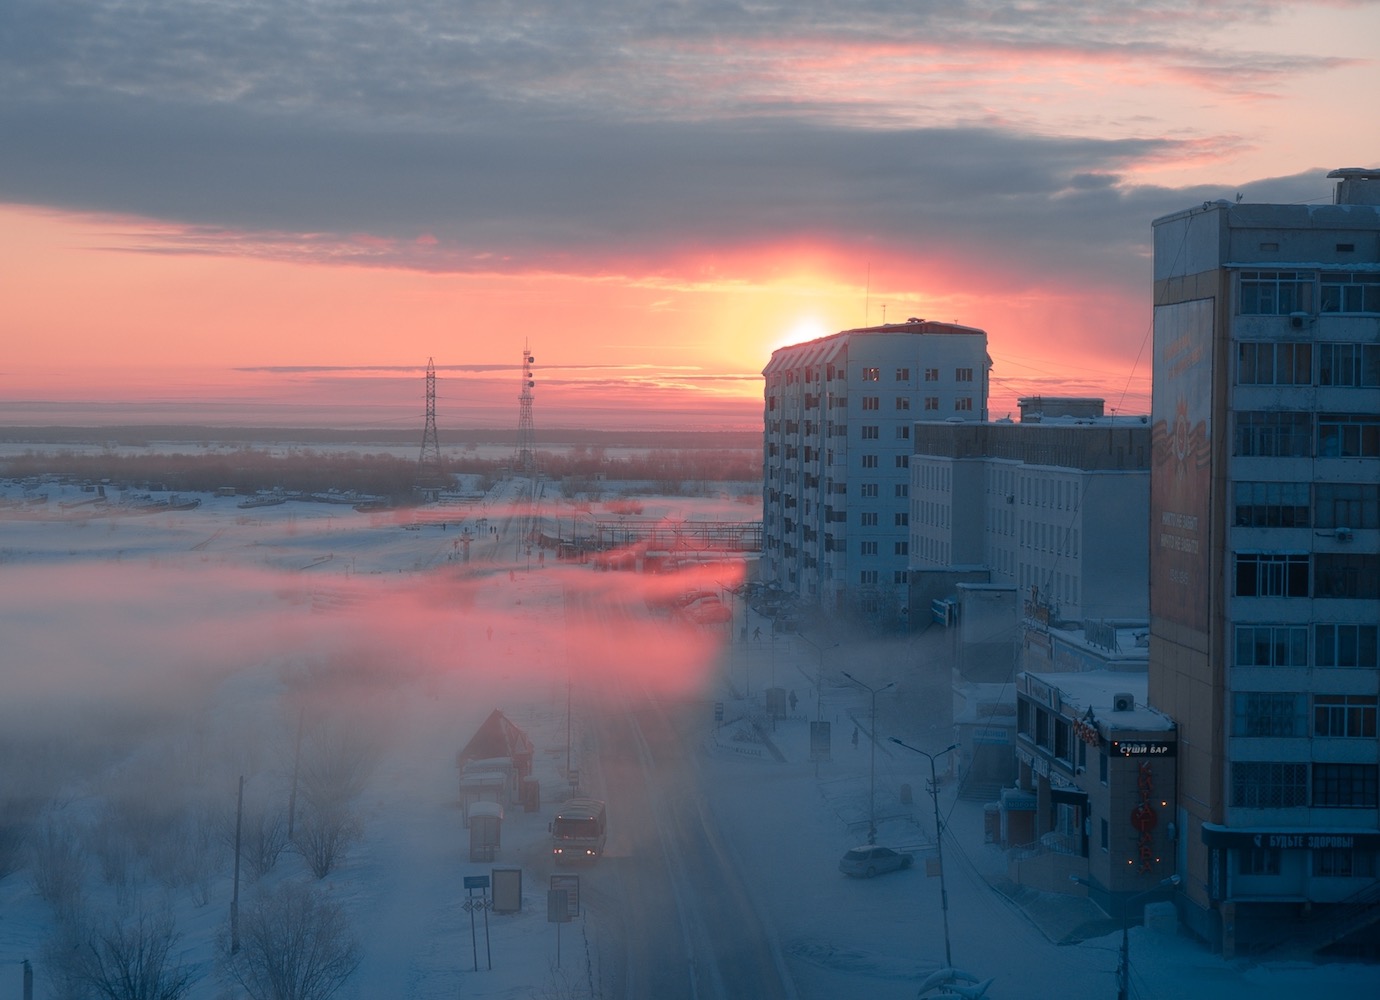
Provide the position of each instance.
(151, 661)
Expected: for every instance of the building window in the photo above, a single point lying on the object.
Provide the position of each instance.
(870, 432)
(1346, 292)
(899, 576)
(902, 518)
(1346, 786)
(1063, 746)
(1346, 575)
(963, 403)
(1275, 293)
(1259, 860)
(902, 490)
(871, 374)
(1271, 505)
(902, 548)
(903, 461)
(963, 374)
(867, 577)
(867, 548)
(869, 519)
(872, 402)
(869, 461)
(1266, 784)
(931, 402)
(1272, 645)
(1346, 715)
(1273, 434)
(1346, 505)
(902, 374)
(869, 490)
(1349, 435)
(1271, 574)
(1352, 365)
(1346, 645)
(931, 374)
(1268, 713)
(1343, 862)
(1102, 767)
(1270, 363)
(903, 431)
(903, 402)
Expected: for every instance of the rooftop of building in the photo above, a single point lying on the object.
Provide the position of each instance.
(1097, 690)
(823, 350)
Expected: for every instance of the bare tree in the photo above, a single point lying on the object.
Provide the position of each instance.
(336, 765)
(295, 944)
(133, 960)
(58, 867)
(323, 835)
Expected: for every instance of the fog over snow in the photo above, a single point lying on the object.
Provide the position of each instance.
(152, 660)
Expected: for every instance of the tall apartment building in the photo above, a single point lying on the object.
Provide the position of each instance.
(1055, 506)
(838, 413)
(1265, 560)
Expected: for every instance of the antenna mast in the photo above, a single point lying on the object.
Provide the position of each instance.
(524, 463)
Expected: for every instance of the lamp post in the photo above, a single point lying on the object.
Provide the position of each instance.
(938, 839)
(872, 765)
(1123, 969)
(819, 674)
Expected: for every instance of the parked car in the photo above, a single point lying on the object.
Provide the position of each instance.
(870, 860)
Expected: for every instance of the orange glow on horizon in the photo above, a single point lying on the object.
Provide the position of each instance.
(679, 336)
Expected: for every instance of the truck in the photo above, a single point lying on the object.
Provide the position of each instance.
(578, 831)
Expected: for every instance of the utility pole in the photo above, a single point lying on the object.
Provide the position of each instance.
(235, 897)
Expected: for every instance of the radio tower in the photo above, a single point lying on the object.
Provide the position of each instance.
(429, 464)
(525, 461)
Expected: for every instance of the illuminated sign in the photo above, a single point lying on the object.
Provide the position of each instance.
(1142, 748)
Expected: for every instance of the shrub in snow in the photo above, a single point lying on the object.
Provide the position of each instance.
(294, 944)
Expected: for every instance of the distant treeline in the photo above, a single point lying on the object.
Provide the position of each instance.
(250, 469)
(142, 435)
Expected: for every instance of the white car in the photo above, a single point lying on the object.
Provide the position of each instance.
(869, 860)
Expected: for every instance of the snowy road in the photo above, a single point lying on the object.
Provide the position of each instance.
(675, 917)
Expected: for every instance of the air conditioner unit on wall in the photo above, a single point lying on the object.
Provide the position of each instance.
(1123, 702)
(1343, 534)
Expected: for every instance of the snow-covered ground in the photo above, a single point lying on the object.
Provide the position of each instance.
(152, 660)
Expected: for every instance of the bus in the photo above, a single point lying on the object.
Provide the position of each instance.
(578, 831)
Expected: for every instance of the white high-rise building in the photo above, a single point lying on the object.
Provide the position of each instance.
(838, 414)
(1265, 563)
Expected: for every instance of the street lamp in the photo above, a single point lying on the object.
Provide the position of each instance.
(1123, 971)
(872, 765)
(938, 839)
(819, 675)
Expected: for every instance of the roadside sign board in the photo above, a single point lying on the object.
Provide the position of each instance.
(570, 885)
(718, 711)
(557, 906)
(476, 881)
(507, 890)
(819, 740)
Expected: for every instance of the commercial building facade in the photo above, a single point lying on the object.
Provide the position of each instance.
(1265, 561)
(837, 442)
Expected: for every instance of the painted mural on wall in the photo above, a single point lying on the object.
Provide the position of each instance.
(1180, 484)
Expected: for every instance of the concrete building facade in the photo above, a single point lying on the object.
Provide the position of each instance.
(837, 442)
(1056, 506)
(1265, 562)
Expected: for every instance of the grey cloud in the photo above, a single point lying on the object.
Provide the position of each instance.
(549, 135)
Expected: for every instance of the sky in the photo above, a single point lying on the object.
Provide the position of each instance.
(264, 212)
